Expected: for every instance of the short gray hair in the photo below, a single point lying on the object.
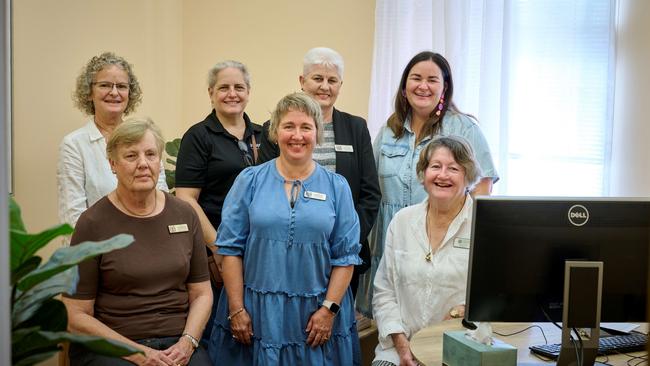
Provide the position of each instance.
(462, 152)
(322, 56)
(220, 66)
(86, 78)
(297, 102)
(131, 132)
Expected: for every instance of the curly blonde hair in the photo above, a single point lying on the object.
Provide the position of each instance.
(83, 90)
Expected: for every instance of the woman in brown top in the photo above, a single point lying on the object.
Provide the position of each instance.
(154, 294)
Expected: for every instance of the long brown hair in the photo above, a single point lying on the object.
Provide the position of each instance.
(402, 107)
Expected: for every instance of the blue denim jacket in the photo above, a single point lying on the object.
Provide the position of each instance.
(400, 187)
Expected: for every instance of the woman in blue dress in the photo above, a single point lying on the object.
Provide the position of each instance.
(290, 238)
(424, 109)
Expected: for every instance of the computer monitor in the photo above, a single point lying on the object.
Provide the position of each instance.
(520, 245)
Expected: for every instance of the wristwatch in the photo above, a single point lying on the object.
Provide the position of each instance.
(331, 306)
(195, 343)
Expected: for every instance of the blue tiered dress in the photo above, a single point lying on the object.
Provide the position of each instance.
(288, 255)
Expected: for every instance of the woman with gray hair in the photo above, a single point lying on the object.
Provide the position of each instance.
(346, 147)
(107, 90)
(290, 238)
(215, 150)
(154, 294)
(422, 275)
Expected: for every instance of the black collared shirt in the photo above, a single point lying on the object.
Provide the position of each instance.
(209, 158)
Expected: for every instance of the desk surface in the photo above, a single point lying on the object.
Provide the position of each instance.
(427, 344)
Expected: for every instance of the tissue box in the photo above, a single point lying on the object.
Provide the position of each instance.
(460, 350)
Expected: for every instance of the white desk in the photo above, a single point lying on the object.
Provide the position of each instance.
(427, 344)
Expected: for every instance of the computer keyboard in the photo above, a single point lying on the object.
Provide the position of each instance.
(606, 345)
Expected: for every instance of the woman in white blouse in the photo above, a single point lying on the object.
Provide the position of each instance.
(106, 90)
(422, 276)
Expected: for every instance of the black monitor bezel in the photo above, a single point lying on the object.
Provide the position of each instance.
(509, 315)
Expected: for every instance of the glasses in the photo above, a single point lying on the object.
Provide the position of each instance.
(244, 150)
(107, 86)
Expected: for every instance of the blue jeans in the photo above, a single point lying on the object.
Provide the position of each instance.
(80, 356)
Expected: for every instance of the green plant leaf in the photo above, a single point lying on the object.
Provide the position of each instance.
(24, 268)
(24, 246)
(64, 258)
(171, 147)
(18, 335)
(37, 357)
(171, 162)
(15, 218)
(170, 178)
(51, 316)
(41, 340)
(29, 302)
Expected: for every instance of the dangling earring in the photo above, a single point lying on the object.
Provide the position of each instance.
(441, 103)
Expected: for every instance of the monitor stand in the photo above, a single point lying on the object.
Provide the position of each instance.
(583, 284)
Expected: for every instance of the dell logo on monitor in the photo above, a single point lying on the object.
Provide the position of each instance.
(578, 215)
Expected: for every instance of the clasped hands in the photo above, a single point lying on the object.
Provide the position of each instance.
(178, 354)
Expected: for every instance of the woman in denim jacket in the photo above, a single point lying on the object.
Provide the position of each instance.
(423, 109)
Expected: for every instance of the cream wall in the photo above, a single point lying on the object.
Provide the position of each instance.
(52, 42)
(171, 44)
(271, 37)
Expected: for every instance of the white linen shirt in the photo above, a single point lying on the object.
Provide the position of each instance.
(411, 293)
(84, 174)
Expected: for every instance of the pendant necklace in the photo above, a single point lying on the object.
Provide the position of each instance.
(155, 203)
(429, 254)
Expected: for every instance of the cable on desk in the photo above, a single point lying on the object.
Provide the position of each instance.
(523, 330)
(579, 354)
(575, 346)
(605, 361)
(641, 359)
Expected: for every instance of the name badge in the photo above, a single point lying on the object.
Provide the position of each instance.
(315, 195)
(343, 148)
(178, 228)
(462, 243)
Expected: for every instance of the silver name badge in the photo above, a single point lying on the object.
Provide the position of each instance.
(315, 195)
(178, 228)
(462, 243)
(343, 148)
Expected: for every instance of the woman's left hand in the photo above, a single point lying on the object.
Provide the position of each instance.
(319, 327)
(456, 312)
(180, 352)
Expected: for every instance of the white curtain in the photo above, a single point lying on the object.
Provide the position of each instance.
(538, 74)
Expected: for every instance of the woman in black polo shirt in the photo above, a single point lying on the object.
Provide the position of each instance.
(346, 147)
(215, 150)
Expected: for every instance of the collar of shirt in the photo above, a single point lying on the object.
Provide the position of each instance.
(407, 127)
(419, 226)
(216, 127)
(93, 132)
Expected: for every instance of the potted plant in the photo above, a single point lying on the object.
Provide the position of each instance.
(38, 319)
(171, 147)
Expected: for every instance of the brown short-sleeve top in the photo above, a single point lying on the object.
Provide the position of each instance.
(141, 291)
